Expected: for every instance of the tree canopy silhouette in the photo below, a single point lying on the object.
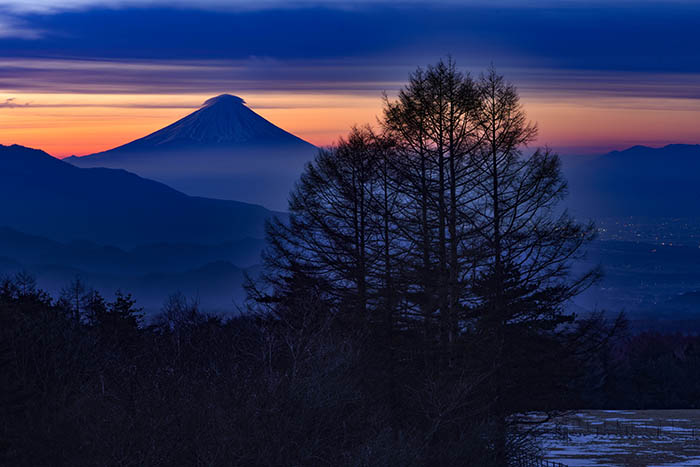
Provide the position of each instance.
(441, 238)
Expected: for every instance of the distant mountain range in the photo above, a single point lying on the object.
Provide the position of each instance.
(639, 181)
(223, 150)
(117, 230)
(48, 197)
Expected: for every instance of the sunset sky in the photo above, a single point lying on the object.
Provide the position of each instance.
(81, 76)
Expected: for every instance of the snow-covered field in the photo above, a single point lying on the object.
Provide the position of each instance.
(612, 438)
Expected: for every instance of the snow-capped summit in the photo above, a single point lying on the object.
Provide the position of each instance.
(222, 150)
(223, 98)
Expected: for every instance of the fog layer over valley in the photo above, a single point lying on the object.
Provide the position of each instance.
(116, 230)
(211, 274)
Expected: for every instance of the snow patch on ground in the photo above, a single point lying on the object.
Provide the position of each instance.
(622, 438)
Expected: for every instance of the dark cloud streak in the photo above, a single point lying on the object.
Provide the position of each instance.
(368, 77)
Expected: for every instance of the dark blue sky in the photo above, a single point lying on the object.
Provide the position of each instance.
(632, 49)
(621, 36)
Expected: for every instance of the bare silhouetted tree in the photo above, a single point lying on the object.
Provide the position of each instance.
(446, 242)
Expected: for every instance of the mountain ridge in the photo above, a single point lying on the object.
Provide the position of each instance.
(637, 181)
(51, 198)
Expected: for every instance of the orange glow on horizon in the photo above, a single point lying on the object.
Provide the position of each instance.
(67, 124)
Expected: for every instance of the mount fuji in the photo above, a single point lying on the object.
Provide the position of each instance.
(223, 150)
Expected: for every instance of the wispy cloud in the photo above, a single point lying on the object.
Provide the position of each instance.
(11, 103)
(183, 77)
(349, 76)
(16, 28)
(56, 6)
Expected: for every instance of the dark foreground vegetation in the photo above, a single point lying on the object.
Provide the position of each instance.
(411, 308)
(191, 389)
(651, 370)
(87, 382)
